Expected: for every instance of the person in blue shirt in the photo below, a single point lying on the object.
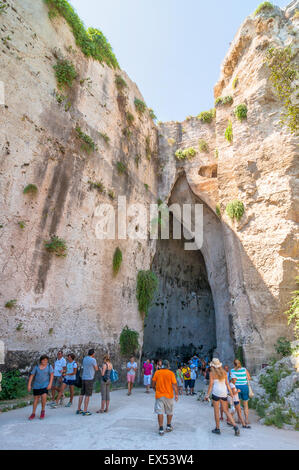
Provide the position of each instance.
(41, 379)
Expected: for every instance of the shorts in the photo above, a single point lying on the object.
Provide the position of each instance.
(86, 388)
(39, 391)
(192, 383)
(187, 383)
(105, 390)
(244, 392)
(147, 379)
(69, 382)
(57, 382)
(215, 398)
(131, 378)
(236, 403)
(164, 405)
(179, 382)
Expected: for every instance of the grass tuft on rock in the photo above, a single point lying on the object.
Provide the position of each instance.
(235, 210)
(56, 246)
(30, 189)
(207, 116)
(241, 112)
(185, 154)
(65, 73)
(229, 132)
(264, 7)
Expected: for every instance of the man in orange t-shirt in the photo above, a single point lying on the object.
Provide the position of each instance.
(164, 383)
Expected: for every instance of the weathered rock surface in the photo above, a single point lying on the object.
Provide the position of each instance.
(75, 301)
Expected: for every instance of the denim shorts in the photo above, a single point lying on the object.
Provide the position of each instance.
(244, 392)
(69, 382)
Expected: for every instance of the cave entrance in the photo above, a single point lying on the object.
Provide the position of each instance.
(181, 321)
(192, 310)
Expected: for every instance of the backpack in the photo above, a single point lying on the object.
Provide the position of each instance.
(113, 376)
(78, 380)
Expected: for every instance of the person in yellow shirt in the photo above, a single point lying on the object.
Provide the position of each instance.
(187, 378)
(165, 385)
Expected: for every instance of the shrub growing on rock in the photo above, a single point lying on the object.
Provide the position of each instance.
(235, 209)
(3, 7)
(185, 154)
(284, 75)
(121, 168)
(30, 189)
(241, 112)
(283, 347)
(293, 312)
(203, 146)
(92, 42)
(57, 246)
(224, 100)
(147, 284)
(11, 303)
(120, 83)
(140, 106)
(65, 73)
(229, 132)
(207, 116)
(88, 144)
(263, 7)
(152, 114)
(117, 260)
(128, 341)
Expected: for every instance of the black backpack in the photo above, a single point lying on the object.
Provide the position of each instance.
(78, 380)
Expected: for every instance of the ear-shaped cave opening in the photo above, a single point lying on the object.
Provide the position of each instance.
(192, 309)
(181, 322)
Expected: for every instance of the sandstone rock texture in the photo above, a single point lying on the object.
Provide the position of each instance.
(76, 302)
(259, 168)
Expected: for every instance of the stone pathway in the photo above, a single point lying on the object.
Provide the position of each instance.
(131, 424)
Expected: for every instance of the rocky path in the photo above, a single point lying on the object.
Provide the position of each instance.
(131, 424)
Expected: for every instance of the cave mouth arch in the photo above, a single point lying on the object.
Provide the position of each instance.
(181, 321)
(193, 285)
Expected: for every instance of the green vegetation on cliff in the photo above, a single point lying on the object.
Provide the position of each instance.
(229, 132)
(187, 153)
(284, 75)
(117, 260)
(293, 312)
(241, 112)
(57, 246)
(207, 116)
(65, 73)
(147, 284)
(128, 341)
(235, 209)
(92, 42)
(263, 7)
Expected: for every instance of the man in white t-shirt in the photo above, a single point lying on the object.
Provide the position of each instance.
(131, 373)
(59, 369)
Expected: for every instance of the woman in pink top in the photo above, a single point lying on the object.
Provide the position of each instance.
(147, 374)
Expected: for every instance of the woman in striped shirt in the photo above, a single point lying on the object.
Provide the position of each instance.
(242, 375)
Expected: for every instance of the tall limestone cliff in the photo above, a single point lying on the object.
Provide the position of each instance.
(248, 265)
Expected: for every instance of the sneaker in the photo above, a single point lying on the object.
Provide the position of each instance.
(228, 423)
(42, 415)
(68, 405)
(161, 432)
(86, 413)
(32, 416)
(216, 431)
(237, 431)
(169, 428)
(54, 405)
(246, 426)
(79, 412)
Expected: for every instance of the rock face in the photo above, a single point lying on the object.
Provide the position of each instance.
(248, 266)
(74, 301)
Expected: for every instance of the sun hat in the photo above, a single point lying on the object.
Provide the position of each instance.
(216, 363)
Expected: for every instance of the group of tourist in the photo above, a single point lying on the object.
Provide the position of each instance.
(44, 378)
(227, 387)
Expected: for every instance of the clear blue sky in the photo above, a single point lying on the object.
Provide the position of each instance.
(172, 49)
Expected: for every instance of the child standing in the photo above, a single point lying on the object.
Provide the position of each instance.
(180, 379)
(236, 402)
(42, 378)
